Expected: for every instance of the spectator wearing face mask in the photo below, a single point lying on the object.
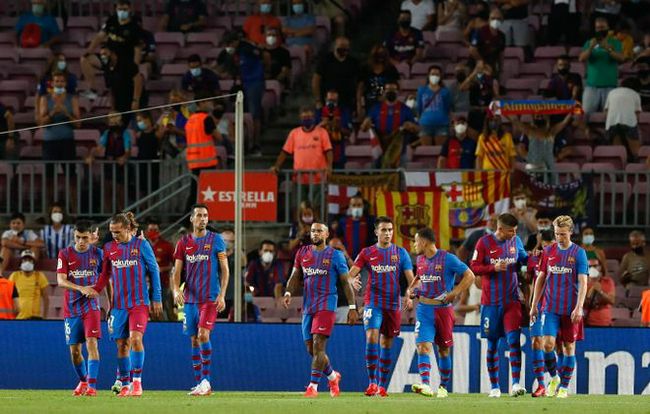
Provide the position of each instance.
(17, 239)
(32, 288)
(57, 64)
(489, 42)
(601, 295)
(407, 43)
(276, 57)
(635, 265)
(337, 121)
(164, 252)
(265, 276)
(564, 84)
(199, 79)
(374, 76)
(356, 229)
(299, 234)
(37, 28)
(544, 222)
(299, 27)
(483, 87)
(460, 98)
(458, 151)
(524, 214)
(256, 24)
(148, 150)
(434, 104)
(595, 255)
(56, 235)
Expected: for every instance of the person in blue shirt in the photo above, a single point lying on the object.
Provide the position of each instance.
(199, 79)
(37, 28)
(434, 103)
(299, 27)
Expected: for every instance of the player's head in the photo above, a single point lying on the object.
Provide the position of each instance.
(506, 226)
(123, 226)
(82, 235)
(199, 217)
(563, 227)
(547, 237)
(319, 233)
(384, 230)
(424, 238)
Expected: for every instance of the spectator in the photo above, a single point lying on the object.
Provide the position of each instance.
(9, 303)
(601, 294)
(8, 142)
(423, 13)
(643, 50)
(460, 98)
(184, 16)
(57, 64)
(643, 74)
(58, 106)
(495, 149)
(595, 255)
(544, 222)
(466, 249)
(37, 28)
(479, 19)
(310, 146)
(543, 142)
(458, 151)
(623, 34)
(483, 87)
(299, 234)
(199, 79)
(515, 22)
(164, 252)
(434, 108)
(635, 265)
(407, 43)
(225, 128)
(564, 23)
(300, 27)
(228, 235)
(148, 59)
(452, 15)
(602, 54)
(17, 239)
(251, 74)
(524, 214)
(148, 150)
(377, 73)
(58, 234)
(489, 42)
(337, 121)
(564, 84)
(357, 228)
(277, 59)
(623, 107)
(393, 136)
(170, 127)
(121, 35)
(32, 288)
(265, 276)
(337, 70)
(256, 24)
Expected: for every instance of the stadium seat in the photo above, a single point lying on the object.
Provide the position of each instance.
(359, 153)
(404, 70)
(428, 154)
(615, 198)
(613, 154)
(621, 313)
(410, 85)
(549, 54)
(420, 69)
(35, 55)
(521, 88)
(567, 171)
(205, 39)
(452, 37)
(536, 70)
(612, 267)
(8, 56)
(173, 72)
(17, 88)
(31, 152)
(515, 53)
(10, 102)
(7, 39)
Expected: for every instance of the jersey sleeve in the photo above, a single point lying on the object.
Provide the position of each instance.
(100, 259)
(219, 244)
(405, 260)
(288, 145)
(582, 264)
(62, 263)
(478, 265)
(297, 259)
(361, 259)
(455, 266)
(522, 256)
(179, 253)
(152, 268)
(338, 263)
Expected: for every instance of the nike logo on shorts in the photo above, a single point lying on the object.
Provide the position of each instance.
(137, 325)
(321, 328)
(94, 331)
(448, 341)
(208, 323)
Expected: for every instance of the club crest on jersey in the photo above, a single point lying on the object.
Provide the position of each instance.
(207, 247)
(513, 250)
(438, 268)
(135, 251)
(326, 262)
(93, 262)
(394, 258)
(571, 259)
(412, 217)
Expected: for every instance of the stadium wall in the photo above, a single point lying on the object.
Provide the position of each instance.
(271, 357)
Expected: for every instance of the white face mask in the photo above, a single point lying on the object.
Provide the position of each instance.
(434, 79)
(542, 228)
(271, 40)
(57, 217)
(410, 103)
(267, 257)
(27, 266)
(495, 24)
(588, 239)
(593, 272)
(307, 219)
(460, 128)
(356, 212)
(520, 204)
(230, 50)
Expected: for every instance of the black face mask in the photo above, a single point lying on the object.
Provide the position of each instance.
(638, 250)
(563, 71)
(404, 24)
(461, 76)
(391, 96)
(644, 73)
(601, 34)
(331, 105)
(218, 113)
(493, 126)
(342, 52)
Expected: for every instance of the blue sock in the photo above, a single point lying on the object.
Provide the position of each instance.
(538, 366)
(514, 348)
(196, 363)
(372, 355)
(80, 369)
(569, 362)
(206, 359)
(93, 371)
(384, 366)
(444, 367)
(137, 362)
(424, 367)
(492, 362)
(551, 363)
(124, 367)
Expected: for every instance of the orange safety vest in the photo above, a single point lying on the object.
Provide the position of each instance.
(201, 151)
(6, 299)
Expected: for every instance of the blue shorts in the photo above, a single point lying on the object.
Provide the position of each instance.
(199, 315)
(253, 93)
(122, 321)
(388, 321)
(321, 323)
(434, 130)
(434, 323)
(498, 320)
(78, 328)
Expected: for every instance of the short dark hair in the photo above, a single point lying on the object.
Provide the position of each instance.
(122, 2)
(508, 219)
(382, 219)
(17, 215)
(198, 205)
(541, 214)
(435, 67)
(405, 11)
(427, 233)
(83, 226)
(548, 235)
(194, 58)
(564, 57)
(631, 83)
(267, 241)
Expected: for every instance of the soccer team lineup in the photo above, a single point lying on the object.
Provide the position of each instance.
(435, 280)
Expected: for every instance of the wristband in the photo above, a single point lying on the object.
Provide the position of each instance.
(353, 307)
(287, 294)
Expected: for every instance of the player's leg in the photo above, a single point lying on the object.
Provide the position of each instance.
(138, 317)
(569, 333)
(312, 388)
(118, 330)
(492, 331)
(207, 318)
(92, 331)
(444, 323)
(424, 335)
(321, 329)
(390, 328)
(190, 328)
(372, 319)
(537, 344)
(550, 330)
(512, 327)
(74, 337)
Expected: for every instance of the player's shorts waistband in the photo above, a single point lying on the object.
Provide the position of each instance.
(430, 301)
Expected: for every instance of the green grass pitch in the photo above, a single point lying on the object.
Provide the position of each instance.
(160, 402)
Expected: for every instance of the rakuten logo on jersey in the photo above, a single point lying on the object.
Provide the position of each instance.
(80, 274)
(121, 264)
(508, 261)
(430, 278)
(383, 268)
(310, 271)
(197, 258)
(558, 270)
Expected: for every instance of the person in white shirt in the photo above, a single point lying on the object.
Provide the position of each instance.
(422, 13)
(623, 106)
(17, 239)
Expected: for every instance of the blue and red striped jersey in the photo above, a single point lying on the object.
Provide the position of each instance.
(201, 260)
(384, 267)
(562, 267)
(532, 268)
(320, 270)
(355, 234)
(498, 288)
(83, 269)
(127, 265)
(438, 273)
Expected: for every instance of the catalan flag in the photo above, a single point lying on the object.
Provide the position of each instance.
(413, 210)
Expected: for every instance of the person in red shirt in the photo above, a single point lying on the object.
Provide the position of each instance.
(256, 24)
(601, 294)
(164, 252)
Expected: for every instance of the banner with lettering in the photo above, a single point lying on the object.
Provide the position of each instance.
(534, 107)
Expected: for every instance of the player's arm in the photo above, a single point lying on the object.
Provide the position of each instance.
(105, 275)
(62, 281)
(154, 272)
(539, 286)
(294, 282)
(463, 285)
(522, 255)
(224, 278)
(478, 265)
(176, 282)
(582, 266)
(355, 269)
(353, 315)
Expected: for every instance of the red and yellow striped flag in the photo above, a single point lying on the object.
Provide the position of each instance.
(413, 210)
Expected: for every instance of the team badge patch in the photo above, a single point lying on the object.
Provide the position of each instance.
(326, 262)
(571, 259)
(394, 258)
(135, 252)
(207, 247)
(93, 262)
(513, 250)
(438, 268)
